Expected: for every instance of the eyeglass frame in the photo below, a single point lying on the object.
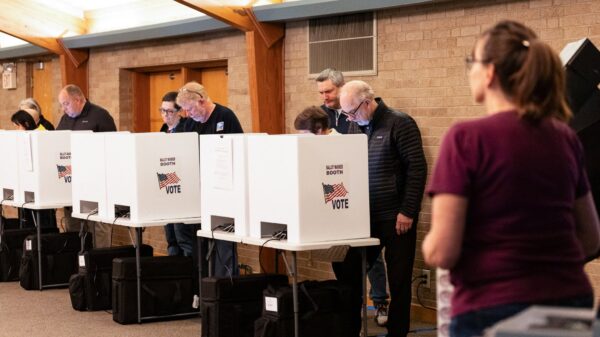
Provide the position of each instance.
(168, 111)
(192, 91)
(470, 60)
(353, 112)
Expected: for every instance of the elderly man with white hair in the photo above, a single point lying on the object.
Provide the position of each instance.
(397, 173)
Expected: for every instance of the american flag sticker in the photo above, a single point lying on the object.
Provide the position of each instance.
(165, 179)
(331, 192)
(63, 170)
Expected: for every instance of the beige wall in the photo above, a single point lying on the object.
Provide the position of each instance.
(420, 70)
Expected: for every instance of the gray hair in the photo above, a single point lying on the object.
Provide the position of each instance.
(336, 77)
(360, 90)
(73, 91)
(30, 103)
(191, 92)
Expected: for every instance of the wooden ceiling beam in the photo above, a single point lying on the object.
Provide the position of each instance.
(77, 56)
(233, 16)
(269, 32)
(28, 18)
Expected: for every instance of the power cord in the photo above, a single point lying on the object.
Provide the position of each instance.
(421, 282)
(229, 228)
(277, 236)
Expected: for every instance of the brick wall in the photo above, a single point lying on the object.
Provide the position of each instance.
(420, 53)
(420, 71)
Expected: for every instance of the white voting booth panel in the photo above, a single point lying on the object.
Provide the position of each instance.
(153, 176)
(9, 175)
(44, 167)
(224, 181)
(314, 187)
(88, 159)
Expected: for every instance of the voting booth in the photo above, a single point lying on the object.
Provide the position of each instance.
(88, 158)
(44, 161)
(9, 175)
(546, 321)
(152, 176)
(224, 182)
(313, 187)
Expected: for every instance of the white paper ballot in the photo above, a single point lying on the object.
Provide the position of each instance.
(223, 165)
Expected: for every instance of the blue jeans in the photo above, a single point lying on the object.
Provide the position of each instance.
(181, 239)
(474, 323)
(378, 292)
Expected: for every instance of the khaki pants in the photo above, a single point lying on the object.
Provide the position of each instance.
(102, 231)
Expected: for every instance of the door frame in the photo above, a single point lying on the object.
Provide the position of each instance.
(140, 84)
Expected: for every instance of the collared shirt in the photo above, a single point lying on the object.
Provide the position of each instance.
(92, 117)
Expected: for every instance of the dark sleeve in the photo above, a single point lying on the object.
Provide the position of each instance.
(62, 124)
(410, 150)
(165, 128)
(232, 124)
(456, 165)
(106, 123)
(46, 123)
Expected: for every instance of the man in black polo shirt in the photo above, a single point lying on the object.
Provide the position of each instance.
(205, 118)
(83, 115)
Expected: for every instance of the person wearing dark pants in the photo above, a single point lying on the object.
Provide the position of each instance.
(397, 174)
(181, 238)
(207, 117)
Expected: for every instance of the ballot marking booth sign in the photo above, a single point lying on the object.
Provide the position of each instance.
(313, 187)
(152, 176)
(224, 182)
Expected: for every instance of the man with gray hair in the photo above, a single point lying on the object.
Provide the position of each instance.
(397, 173)
(205, 118)
(80, 114)
(329, 83)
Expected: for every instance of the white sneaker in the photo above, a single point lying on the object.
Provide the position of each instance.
(381, 315)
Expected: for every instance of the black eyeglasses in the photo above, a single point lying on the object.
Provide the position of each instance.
(353, 112)
(192, 91)
(470, 60)
(167, 111)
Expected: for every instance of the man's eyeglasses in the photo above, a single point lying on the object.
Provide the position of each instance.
(167, 111)
(470, 60)
(353, 112)
(192, 91)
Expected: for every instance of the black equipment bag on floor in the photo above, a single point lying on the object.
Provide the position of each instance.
(324, 310)
(168, 287)
(90, 289)
(11, 249)
(231, 305)
(59, 258)
(10, 223)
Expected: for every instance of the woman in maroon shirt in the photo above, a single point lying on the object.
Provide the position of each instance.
(512, 213)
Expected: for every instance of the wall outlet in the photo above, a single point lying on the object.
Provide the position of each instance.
(426, 276)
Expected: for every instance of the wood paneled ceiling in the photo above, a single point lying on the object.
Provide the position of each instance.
(43, 22)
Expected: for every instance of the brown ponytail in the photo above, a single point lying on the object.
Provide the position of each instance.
(528, 70)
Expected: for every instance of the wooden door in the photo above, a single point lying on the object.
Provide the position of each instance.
(42, 90)
(213, 79)
(160, 84)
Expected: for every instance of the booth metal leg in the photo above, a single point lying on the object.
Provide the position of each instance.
(38, 224)
(295, 295)
(200, 261)
(82, 235)
(138, 243)
(363, 254)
